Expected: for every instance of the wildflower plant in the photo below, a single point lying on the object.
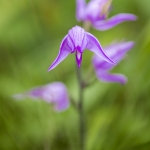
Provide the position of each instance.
(76, 41)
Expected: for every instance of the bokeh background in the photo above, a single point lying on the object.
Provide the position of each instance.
(117, 117)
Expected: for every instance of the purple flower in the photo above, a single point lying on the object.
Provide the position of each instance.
(76, 41)
(55, 93)
(117, 53)
(96, 11)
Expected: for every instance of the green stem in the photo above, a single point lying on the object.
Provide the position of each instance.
(80, 109)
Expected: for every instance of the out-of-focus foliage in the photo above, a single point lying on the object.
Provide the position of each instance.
(118, 117)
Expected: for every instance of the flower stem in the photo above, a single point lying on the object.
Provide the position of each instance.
(80, 109)
(87, 25)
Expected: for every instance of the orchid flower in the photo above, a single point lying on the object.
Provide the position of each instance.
(117, 53)
(55, 93)
(76, 41)
(96, 12)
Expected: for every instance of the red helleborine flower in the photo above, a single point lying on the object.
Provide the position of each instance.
(76, 41)
(96, 12)
(117, 52)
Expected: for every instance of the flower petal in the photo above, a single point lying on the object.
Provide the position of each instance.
(94, 46)
(35, 93)
(80, 10)
(118, 51)
(93, 10)
(61, 105)
(106, 77)
(78, 58)
(113, 21)
(57, 94)
(77, 39)
(63, 53)
(115, 52)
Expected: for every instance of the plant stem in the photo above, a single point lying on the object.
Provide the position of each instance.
(82, 85)
(80, 109)
(87, 25)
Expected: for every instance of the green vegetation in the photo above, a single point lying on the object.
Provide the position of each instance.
(118, 117)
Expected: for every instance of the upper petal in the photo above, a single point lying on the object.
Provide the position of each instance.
(77, 39)
(113, 21)
(80, 9)
(94, 46)
(63, 53)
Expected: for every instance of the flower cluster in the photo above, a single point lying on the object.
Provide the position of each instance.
(76, 41)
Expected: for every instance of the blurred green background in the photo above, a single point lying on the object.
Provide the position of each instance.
(117, 117)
